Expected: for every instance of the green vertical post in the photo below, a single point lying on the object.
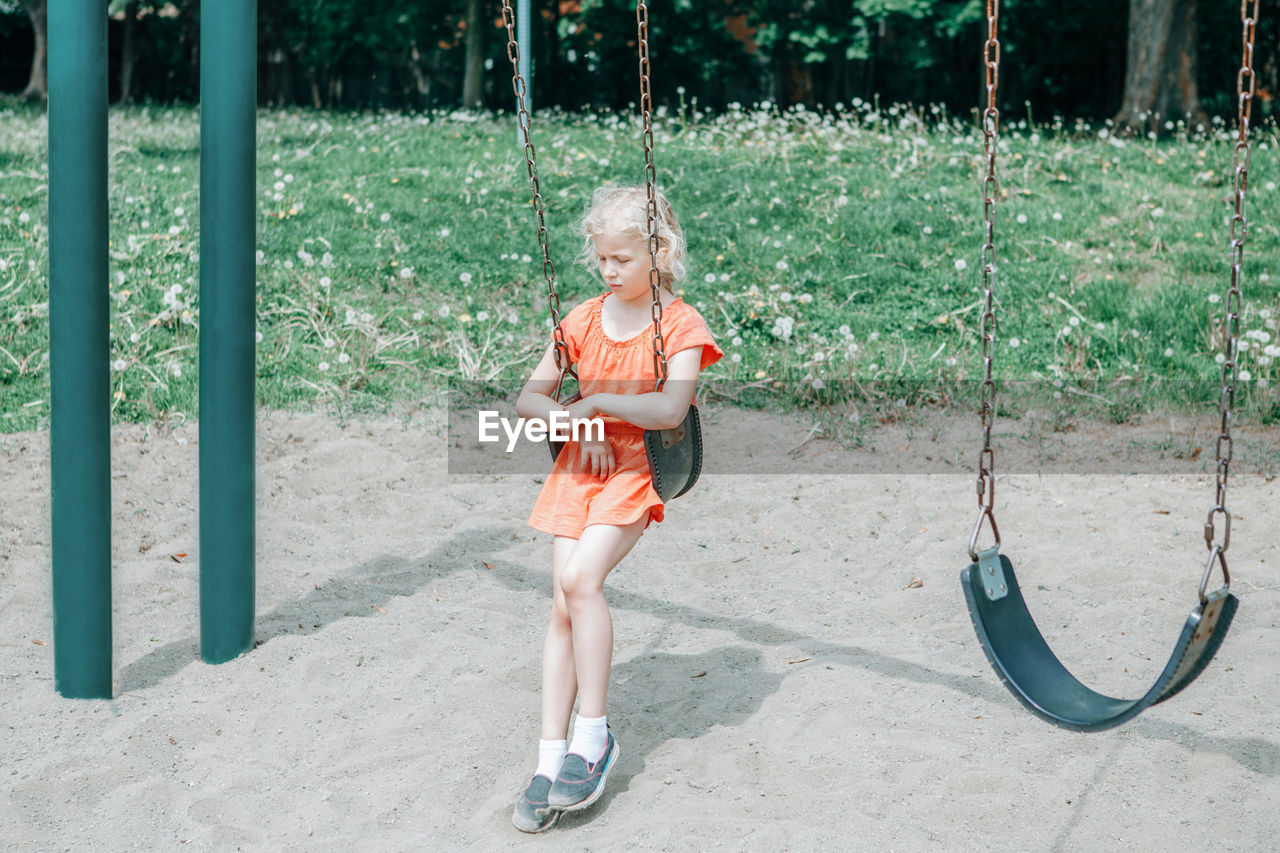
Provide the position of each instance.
(228, 208)
(80, 430)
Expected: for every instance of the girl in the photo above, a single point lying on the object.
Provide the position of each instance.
(599, 496)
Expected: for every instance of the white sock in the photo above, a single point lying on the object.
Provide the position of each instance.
(551, 755)
(589, 737)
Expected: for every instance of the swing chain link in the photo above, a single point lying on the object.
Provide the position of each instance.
(1225, 446)
(563, 360)
(650, 181)
(986, 484)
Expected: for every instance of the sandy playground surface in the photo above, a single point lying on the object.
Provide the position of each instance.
(779, 681)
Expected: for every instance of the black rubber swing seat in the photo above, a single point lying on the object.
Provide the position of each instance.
(1032, 672)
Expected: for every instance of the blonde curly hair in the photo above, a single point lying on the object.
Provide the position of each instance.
(625, 211)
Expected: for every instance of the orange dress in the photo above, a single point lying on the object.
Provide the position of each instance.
(572, 499)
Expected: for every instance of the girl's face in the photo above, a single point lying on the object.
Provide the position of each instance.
(624, 264)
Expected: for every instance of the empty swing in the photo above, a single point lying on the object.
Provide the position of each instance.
(1009, 636)
(675, 455)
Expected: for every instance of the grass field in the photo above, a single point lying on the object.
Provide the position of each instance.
(832, 254)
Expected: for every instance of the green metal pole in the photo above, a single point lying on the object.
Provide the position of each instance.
(228, 103)
(80, 431)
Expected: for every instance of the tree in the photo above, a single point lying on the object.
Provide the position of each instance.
(1160, 65)
(38, 87)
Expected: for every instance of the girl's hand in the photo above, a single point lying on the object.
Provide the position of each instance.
(597, 454)
(597, 458)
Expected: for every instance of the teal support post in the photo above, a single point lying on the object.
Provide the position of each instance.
(79, 352)
(228, 208)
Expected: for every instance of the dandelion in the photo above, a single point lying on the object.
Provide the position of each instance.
(119, 364)
(328, 343)
(351, 315)
(1014, 343)
(482, 316)
(1214, 298)
(805, 298)
(1157, 213)
(1245, 375)
(134, 338)
(781, 265)
(1219, 358)
(785, 297)
(724, 277)
(960, 264)
(927, 230)
(325, 281)
(1074, 321)
(406, 272)
(465, 278)
(417, 316)
(845, 331)
(278, 186)
(760, 374)
(1168, 352)
(324, 365)
(709, 278)
(259, 256)
(343, 358)
(737, 341)
(445, 232)
(444, 311)
(386, 217)
(525, 259)
(1057, 217)
(752, 221)
(179, 211)
(1022, 219)
(366, 317)
(818, 384)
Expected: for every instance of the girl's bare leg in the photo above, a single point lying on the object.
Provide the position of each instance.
(559, 679)
(580, 585)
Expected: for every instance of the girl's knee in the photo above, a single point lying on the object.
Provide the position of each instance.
(578, 586)
(560, 615)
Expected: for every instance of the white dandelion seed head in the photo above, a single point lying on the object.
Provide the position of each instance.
(323, 366)
(961, 264)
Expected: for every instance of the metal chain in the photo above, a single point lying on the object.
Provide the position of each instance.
(650, 180)
(986, 485)
(1245, 86)
(563, 361)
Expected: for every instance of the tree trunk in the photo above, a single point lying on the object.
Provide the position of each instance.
(473, 79)
(128, 52)
(37, 86)
(1160, 66)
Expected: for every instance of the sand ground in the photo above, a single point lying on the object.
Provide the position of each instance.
(779, 682)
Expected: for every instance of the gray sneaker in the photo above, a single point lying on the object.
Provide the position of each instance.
(532, 812)
(580, 783)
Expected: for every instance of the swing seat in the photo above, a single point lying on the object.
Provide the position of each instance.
(1021, 657)
(675, 456)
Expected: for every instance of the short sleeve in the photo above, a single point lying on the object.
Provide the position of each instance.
(689, 330)
(575, 325)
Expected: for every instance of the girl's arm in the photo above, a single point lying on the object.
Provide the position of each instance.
(535, 400)
(663, 409)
